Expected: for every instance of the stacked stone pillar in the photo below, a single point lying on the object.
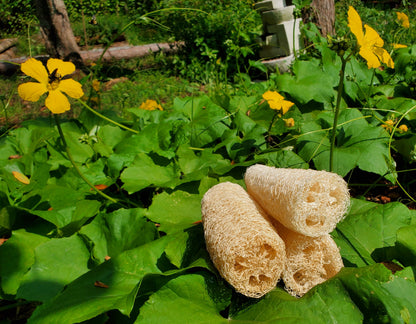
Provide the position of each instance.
(281, 37)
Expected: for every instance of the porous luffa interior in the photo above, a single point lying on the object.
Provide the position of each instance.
(306, 201)
(310, 261)
(243, 245)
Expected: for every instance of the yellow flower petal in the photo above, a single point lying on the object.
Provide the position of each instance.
(286, 106)
(64, 68)
(276, 101)
(403, 128)
(20, 177)
(403, 19)
(71, 87)
(290, 122)
(35, 69)
(370, 57)
(31, 91)
(96, 85)
(384, 57)
(272, 95)
(355, 24)
(56, 102)
(372, 38)
(397, 46)
(150, 104)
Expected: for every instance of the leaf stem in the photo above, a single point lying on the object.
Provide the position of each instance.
(71, 159)
(11, 306)
(335, 123)
(107, 119)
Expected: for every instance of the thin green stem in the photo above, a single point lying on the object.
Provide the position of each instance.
(335, 124)
(276, 114)
(106, 118)
(71, 159)
(11, 306)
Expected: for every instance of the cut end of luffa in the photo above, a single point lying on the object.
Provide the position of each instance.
(310, 261)
(309, 202)
(243, 245)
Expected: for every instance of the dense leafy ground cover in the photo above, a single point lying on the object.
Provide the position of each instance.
(100, 222)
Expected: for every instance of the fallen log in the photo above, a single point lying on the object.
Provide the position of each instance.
(113, 53)
(7, 43)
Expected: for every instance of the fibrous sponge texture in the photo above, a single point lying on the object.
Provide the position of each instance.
(310, 261)
(242, 243)
(306, 201)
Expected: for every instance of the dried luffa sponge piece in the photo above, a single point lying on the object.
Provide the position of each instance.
(243, 245)
(309, 261)
(306, 201)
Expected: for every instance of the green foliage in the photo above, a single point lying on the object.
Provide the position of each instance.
(141, 256)
(14, 16)
(219, 37)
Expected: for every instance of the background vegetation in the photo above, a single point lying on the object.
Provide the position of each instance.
(140, 256)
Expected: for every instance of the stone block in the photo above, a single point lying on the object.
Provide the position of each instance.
(277, 16)
(282, 37)
(268, 52)
(282, 64)
(269, 5)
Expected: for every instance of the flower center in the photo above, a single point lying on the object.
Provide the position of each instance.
(53, 85)
(54, 79)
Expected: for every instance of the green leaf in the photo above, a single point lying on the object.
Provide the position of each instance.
(309, 83)
(189, 298)
(326, 303)
(353, 149)
(381, 297)
(188, 249)
(67, 214)
(195, 165)
(80, 150)
(285, 158)
(369, 231)
(19, 253)
(116, 232)
(106, 138)
(175, 210)
(82, 299)
(57, 263)
(406, 245)
(207, 120)
(143, 172)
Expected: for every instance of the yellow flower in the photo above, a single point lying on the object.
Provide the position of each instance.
(403, 128)
(403, 19)
(96, 85)
(388, 125)
(150, 104)
(370, 43)
(397, 46)
(53, 80)
(290, 122)
(277, 102)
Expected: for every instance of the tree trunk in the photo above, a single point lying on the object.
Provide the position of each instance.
(322, 13)
(56, 30)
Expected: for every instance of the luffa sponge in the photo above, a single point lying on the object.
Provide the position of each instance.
(309, 202)
(242, 243)
(310, 260)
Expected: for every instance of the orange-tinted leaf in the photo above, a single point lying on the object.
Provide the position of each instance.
(13, 157)
(106, 258)
(197, 222)
(101, 186)
(2, 240)
(99, 284)
(21, 177)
